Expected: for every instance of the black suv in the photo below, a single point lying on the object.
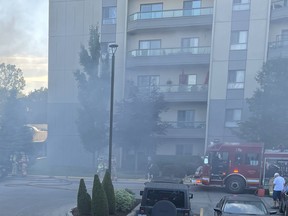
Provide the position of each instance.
(176, 193)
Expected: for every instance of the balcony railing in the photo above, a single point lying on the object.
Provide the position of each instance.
(279, 43)
(175, 88)
(170, 51)
(187, 124)
(170, 13)
(276, 4)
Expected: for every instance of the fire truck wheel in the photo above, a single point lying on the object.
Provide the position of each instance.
(235, 184)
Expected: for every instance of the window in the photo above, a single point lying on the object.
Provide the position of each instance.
(241, 5)
(252, 159)
(239, 40)
(191, 8)
(233, 117)
(187, 79)
(147, 80)
(109, 15)
(150, 11)
(192, 79)
(236, 79)
(190, 45)
(185, 118)
(150, 47)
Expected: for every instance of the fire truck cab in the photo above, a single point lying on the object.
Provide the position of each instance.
(238, 166)
(234, 166)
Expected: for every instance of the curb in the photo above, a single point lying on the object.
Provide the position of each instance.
(134, 211)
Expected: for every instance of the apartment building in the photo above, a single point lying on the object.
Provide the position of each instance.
(202, 54)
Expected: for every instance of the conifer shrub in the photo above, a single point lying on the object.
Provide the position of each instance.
(109, 190)
(83, 200)
(99, 204)
(124, 200)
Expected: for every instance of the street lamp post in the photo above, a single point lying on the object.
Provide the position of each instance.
(113, 48)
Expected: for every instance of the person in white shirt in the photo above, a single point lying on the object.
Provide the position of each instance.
(278, 187)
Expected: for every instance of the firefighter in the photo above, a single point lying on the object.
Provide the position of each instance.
(23, 164)
(14, 163)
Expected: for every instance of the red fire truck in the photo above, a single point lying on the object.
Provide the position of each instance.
(239, 166)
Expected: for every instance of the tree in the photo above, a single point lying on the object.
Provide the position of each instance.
(36, 106)
(137, 120)
(93, 91)
(109, 190)
(83, 200)
(268, 122)
(11, 78)
(99, 205)
(14, 135)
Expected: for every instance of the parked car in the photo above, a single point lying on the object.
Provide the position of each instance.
(284, 204)
(241, 205)
(176, 193)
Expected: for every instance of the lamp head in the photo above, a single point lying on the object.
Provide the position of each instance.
(113, 47)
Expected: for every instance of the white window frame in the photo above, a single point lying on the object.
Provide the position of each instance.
(189, 118)
(239, 40)
(111, 19)
(234, 119)
(149, 51)
(192, 46)
(238, 82)
(151, 13)
(194, 10)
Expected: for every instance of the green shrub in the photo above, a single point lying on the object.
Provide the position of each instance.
(109, 190)
(129, 191)
(83, 200)
(124, 200)
(99, 205)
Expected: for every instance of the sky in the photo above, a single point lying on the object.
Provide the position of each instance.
(24, 39)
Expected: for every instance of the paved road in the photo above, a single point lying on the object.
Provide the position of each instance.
(47, 196)
(55, 196)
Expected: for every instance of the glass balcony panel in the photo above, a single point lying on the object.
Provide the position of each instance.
(169, 51)
(170, 13)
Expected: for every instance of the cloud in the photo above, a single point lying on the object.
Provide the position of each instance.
(24, 38)
(24, 27)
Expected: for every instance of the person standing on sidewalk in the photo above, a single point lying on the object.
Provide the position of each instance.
(278, 187)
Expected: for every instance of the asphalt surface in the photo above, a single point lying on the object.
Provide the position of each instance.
(56, 196)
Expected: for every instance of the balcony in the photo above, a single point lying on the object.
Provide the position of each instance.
(180, 129)
(170, 19)
(181, 93)
(168, 57)
(278, 48)
(279, 10)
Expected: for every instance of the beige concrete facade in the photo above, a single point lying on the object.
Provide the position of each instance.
(204, 105)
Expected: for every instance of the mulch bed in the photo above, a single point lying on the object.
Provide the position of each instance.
(74, 211)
